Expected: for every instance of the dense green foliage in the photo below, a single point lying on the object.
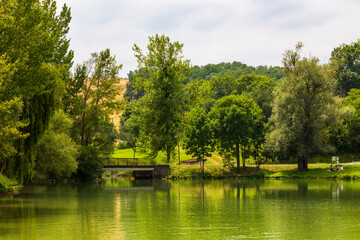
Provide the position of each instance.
(198, 136)
(238, 121)
(344, 135)
(130, 132)
(33, 37)
(234, 69)
(56, 151)
(346, 59)
(131, 93)
(164, 102)
(259, 88)
(95, 100)
(10, 111)
(168, 102)
(301, 109)
(6, 183)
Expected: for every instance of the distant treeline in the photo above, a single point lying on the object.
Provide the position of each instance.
(235, 69)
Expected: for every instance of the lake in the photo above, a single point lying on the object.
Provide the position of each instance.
(191, 209)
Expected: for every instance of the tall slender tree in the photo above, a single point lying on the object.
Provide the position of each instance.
(94, 99)
(163, 74)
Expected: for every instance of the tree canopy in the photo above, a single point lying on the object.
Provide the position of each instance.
(164, 102)
(300, 108)
(33, 37)
(346, 59)
(237, 120)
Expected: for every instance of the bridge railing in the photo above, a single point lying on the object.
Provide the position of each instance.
(126, 161)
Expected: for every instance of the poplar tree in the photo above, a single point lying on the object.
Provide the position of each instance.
(162, 74)
(93, 98)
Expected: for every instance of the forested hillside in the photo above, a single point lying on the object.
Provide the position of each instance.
(235, 69)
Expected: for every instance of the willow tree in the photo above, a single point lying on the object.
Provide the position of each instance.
(33, 37)
(164, 72)
(10, 111)
(300, 108)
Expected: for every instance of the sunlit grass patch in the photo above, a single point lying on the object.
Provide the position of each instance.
(6, 183)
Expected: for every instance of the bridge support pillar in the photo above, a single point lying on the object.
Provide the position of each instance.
(161, 171)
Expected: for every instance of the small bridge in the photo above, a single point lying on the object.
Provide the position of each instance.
(138, 166)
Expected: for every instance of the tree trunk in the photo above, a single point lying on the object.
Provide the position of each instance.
(242, 157)
(168, 154)
(179, 147)
(203, 164)
(237, 158)
(302, 164)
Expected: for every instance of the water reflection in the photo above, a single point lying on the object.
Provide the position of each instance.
(205, 209)
(336, 189)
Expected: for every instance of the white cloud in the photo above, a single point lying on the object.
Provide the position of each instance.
(255, 32)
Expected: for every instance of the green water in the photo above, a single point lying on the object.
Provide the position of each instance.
(218, 209)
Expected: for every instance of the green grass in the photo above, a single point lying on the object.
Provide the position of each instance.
(128, 153)
(214, 168)
(188, 171)
(6, 183)
(316, 171)
(279, 171)
(125, 153)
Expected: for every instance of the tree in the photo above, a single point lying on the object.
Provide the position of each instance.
(130, 132)
(300, 108)
(260, 89)
(199, 94)
(353, 121)
(33, 37)
(235, 69)
(96, 99)
(131, 94)
(198, 135)
(236, 122)
(346, 59)
(340, 132)
(223, 86)
(164, 101)
(10, 111)
(56, 151)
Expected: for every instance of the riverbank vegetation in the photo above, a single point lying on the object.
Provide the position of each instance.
(56, 117)
(6, 184)
(273, 171)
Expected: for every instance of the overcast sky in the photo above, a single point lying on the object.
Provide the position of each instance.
(254, 32)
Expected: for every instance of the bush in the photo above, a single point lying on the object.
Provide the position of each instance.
(56, 151)
(90, 163)
(5, 184)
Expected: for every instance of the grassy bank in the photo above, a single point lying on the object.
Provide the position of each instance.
(6, 184)
(278, 171)
(215, 159)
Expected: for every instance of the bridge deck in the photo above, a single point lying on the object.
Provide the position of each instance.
(129, 168)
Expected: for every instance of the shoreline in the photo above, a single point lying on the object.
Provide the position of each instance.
(351, 172)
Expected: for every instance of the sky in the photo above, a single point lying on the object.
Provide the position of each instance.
(254, 32)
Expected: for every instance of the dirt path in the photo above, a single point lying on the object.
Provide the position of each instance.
(351, 163)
